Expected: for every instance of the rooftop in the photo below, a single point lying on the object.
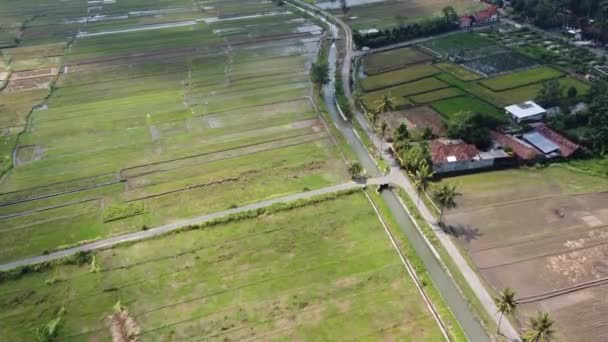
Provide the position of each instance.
(520, 148)
(448, 151)
(541, 142)
(566, 147)
(524, 110)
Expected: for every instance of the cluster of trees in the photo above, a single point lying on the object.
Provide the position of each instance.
(595, 120)
(427, 27)
(552, 13)
(472, 127)
(552, 94)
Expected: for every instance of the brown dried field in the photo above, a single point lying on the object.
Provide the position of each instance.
(544, 238)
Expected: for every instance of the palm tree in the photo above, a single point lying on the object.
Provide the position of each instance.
(446, 195)
(540, 328)
(422, 178)
(506, 303)
(385, 104)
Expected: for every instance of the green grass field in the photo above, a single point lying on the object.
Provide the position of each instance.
(394, 59)
(521, 78)
(436, 95)
(395, 77)
(400, 92)
(451, 106)
(458, 71)
(389, 14)
(146, 127)
(323, 271)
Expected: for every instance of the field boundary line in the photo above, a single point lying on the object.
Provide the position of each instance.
(562, 291)
(567, 230)
(501, 204)
(410, 271)
(541, 256)
(24, 213)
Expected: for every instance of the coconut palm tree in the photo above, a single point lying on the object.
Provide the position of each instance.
(540, 328)
(385, 104)
(445, 195)
(422, 178)
(506, 303)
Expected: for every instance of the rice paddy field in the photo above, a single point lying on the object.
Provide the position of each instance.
(382, 14)
(119, 116)
(321, 271)
(461, 72)
(553, 256)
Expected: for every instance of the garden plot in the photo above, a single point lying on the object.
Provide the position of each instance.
(436, 95)
(176, 121)
(389, 14)
(393, 59)
(321, 271)
(458, 71)
(391, 78)
(449, 107)
(401, 92)
(421, 118)
(464, 46)
(560, 244)
(500, 63)
(522, 78)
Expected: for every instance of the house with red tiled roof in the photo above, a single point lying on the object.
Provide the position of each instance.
(483, 17)
(456, 156)
(522, 150)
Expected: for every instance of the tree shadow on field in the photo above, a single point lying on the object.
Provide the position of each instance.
(458, 231)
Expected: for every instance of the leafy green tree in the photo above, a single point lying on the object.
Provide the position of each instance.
(414, 156)
(540, 328)
(572, 92)
(550, 93)
(446, 196)
(320, 73)
(506, 303)
(401, 137)
(450, 15)
(355, 169)
(473, 128)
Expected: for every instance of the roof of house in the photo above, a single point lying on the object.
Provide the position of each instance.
(519, 148)
(487, 13)
(566, 147)
(524, 110)
(447, 151)
(541, 142)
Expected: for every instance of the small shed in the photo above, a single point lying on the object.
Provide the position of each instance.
(526, 111)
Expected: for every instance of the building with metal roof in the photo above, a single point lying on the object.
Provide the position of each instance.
(527, 111)
(546, 146)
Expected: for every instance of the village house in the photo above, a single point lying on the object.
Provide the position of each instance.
(550, 143)
(525, 112)
(456, 156)
(523, 151)
(484, 17)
